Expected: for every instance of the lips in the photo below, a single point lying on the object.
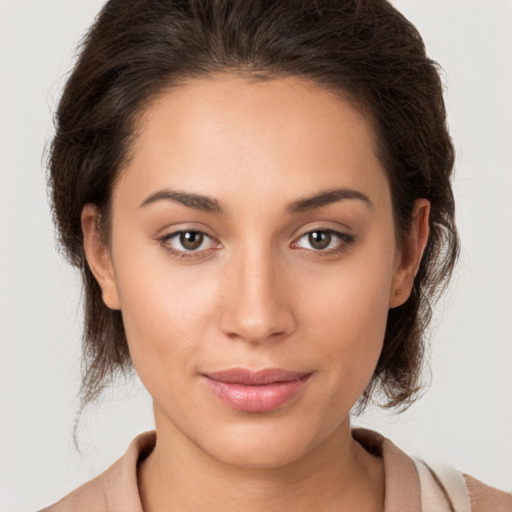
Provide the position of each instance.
(260, 391)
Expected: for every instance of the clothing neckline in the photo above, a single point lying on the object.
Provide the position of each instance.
(401, 481)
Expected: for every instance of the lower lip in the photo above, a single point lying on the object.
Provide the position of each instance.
(263, 398)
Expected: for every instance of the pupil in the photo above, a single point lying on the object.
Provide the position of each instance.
(320, 239)
(191, 240)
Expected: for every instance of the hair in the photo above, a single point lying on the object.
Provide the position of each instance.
(364, 50)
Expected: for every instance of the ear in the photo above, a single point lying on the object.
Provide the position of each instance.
(409, 256)
(98, 256)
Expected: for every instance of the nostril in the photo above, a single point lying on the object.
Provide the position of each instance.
(255, 307)
(258, 329)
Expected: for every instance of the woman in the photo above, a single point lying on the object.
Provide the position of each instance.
(258, 196)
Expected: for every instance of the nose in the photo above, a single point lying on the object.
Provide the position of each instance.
(257, 307)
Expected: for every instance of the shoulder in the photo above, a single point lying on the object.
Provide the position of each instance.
(92, 496)
(484, 498)
(115, 489)
(412, 484)
(441, 484)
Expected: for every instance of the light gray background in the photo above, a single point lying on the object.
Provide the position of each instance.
(465, 418)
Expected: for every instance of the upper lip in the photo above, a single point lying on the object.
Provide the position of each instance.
(255, 378)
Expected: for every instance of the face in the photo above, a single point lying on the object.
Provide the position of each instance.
(254, 259)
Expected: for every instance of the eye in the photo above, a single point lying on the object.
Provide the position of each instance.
(183, 242)
(324, 240)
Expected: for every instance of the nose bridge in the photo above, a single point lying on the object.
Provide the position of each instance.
(257, 308)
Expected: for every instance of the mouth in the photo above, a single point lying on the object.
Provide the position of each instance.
(256, 391)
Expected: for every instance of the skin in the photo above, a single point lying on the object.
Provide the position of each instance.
(257, 293)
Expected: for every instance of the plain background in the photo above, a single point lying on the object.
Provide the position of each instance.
(466, 416)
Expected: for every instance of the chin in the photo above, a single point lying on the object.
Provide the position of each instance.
(263, 455)
(263, 445)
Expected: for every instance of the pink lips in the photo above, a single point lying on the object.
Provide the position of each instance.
(260, 391)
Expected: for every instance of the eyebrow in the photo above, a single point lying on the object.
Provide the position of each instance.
(327, 197)
(211, 205)
(196, 201)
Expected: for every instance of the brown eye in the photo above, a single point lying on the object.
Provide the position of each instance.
(191, 240)
(319, 239)
(189, 244)
(324, 241)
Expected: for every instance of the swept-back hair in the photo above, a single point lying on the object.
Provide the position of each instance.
(365, 50)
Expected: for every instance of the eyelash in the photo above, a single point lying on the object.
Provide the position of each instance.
(344, 240)
(186, 254)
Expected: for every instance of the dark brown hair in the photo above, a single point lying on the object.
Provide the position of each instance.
(362, 49)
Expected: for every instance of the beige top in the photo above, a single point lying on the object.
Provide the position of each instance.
(116, 490)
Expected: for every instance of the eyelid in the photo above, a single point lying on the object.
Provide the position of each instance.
(164, 239)
(344, 239)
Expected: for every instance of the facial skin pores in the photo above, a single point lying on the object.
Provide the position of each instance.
(254, 259)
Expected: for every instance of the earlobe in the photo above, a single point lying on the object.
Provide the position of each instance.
(409, 257)
(98, 256)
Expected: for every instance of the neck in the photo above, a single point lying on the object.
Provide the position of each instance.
(178, 475)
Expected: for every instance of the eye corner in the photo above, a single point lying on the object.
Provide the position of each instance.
(328, 235)
(195, 251)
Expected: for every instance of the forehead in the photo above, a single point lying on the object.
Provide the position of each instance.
(227, 133)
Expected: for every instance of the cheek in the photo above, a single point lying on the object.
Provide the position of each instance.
(346, 315)
(352, 296)
(166, 313)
